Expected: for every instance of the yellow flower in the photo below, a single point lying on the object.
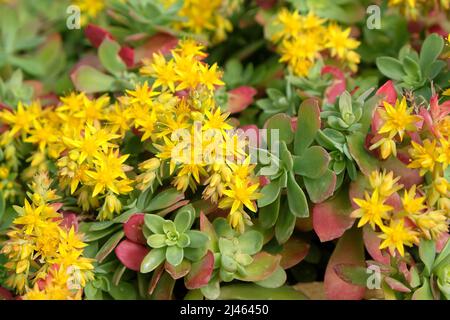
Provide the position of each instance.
(339, 41)
(432, 224)
(240, 193)
(424, 157)
(385, 183)
(398, 119)
(411, 203)
(92, 8)
(34, 219)
(372, 210)
(444, 153)
(142, 94)
(21, 120)
(396, 236)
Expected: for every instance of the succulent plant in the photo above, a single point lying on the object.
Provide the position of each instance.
(172, 241)
(306, 161)
(414, 71)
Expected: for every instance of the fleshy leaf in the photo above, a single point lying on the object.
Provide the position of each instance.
(293, 252)
(179, 271)
(349, 250)
(200, 273)
(133, 228)
(321, 188)
(90, 80)
(312, 163)
(308, 123)
(152, 260)
(298, 204)
(263, 265)
(131, 254)
(332, 217)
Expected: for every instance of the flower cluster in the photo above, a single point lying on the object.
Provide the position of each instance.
(45, 256)
(89, 9)
(413, 8)
(401, 221)
(206, 18)
(303, 39)
(191, 133)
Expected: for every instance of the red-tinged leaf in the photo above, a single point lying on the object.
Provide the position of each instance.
(352, 274)
(332, 217)
(338, 86)
(294, 251)
(266, 4)
(96, 35)
(131, 254)
(388, 91)
(372, 243)
(208, 228)
(160, 42)
(263, 265)
(5, 294)
(155, 278)
(349, 250)
(377, 121)
(164, 288)
(441, 242)
(357, 189)
(57, 205)
(88, 60)
(133, 228)
(69, 220)
(179, 271)
(127, 55)
(408, 177)
(90, 80)
(200, 273)
(240, 98)
(396, 285)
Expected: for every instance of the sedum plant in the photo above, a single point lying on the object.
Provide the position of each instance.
(172, 241)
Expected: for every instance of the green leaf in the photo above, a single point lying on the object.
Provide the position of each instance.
(157, 241)
(431, 49)
(352, 274)
(282, 123)
(312, 163)
(285, 225)
(285, 156)
(390, 67)
(154, 223)
(262, 267)
(153, 259)
(424, 292)
(321, 188)
(165, 199)
(269, 193)
(251, 242)
(90, 80)
(123, 291)
(174, 255)
(445, 252)
(275, 280)
(109, 246)
(268, 215)
(298, 204)
(198, 238)
(255, 292)
(108, 53)
(184, 219)
(2, 206)
(412, 68)
(308, 123)
(366, 163)
(427, 253)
